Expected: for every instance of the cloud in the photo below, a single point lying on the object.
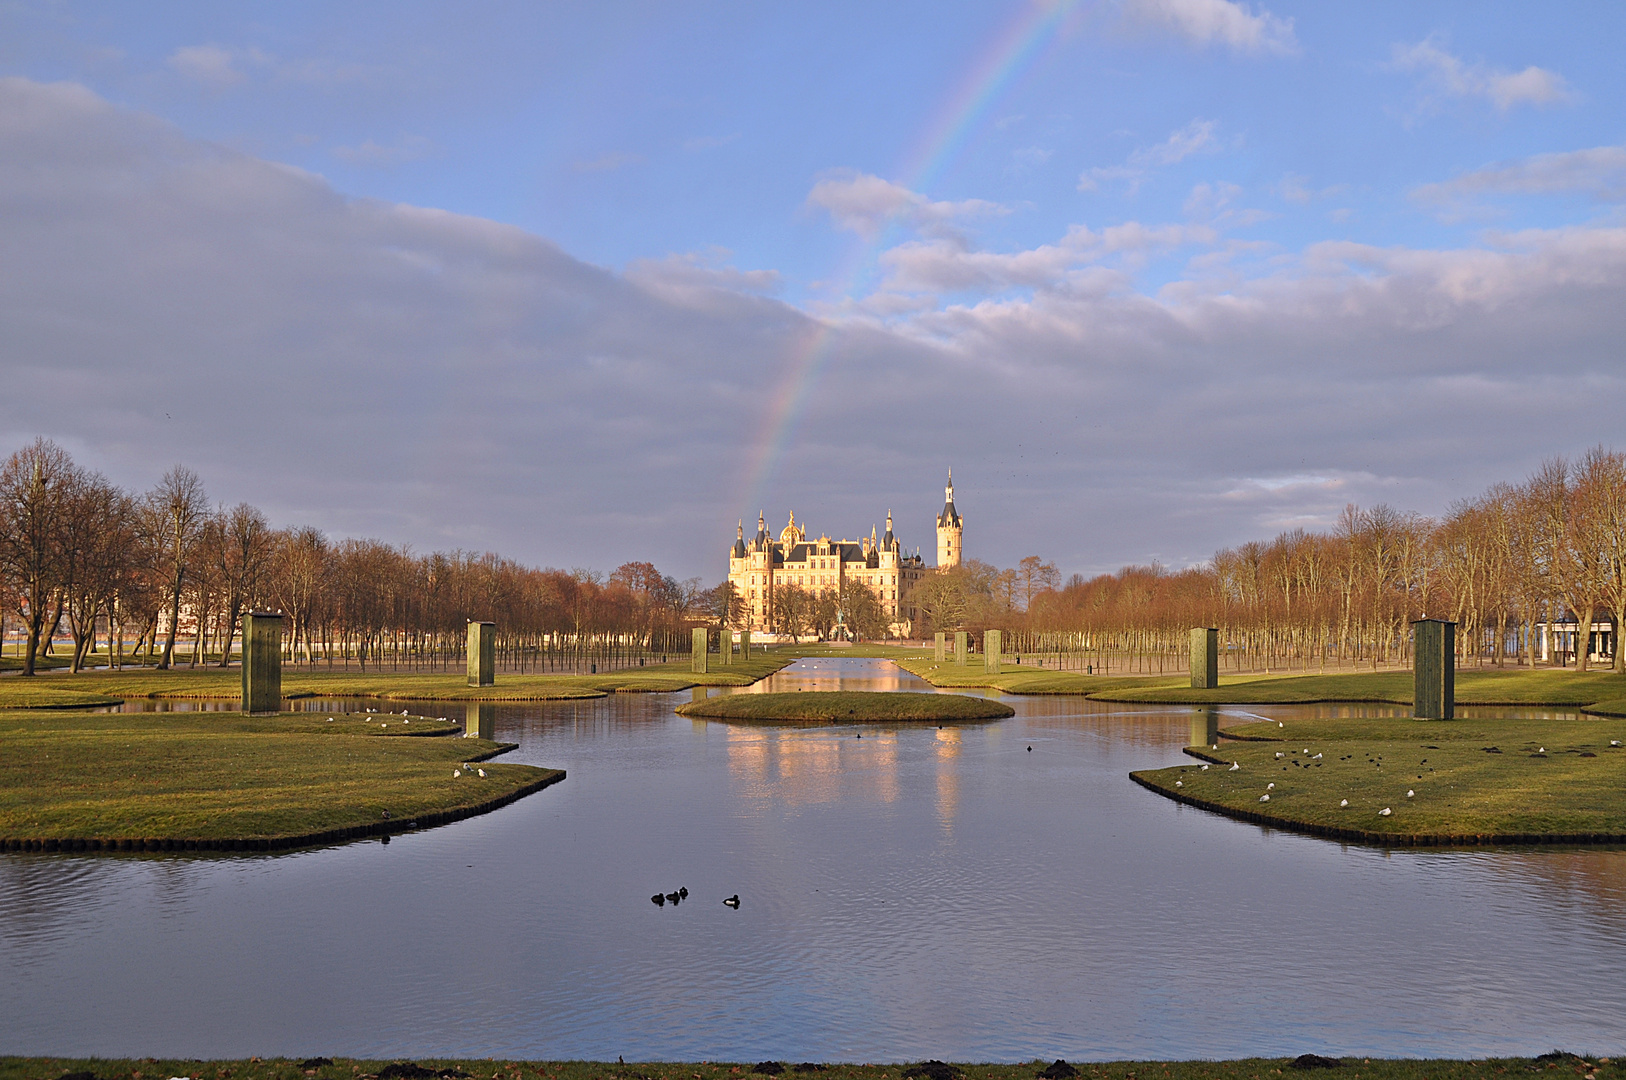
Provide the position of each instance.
(1449, 76)
(866, 204)
(210, 65)
(370, 154)
(1599, 172)
(606, 163)
(1197, 137)
(447, 381)
(1216, 22)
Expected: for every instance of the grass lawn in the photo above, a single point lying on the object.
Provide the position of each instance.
(1473, 781)
(1602, 692)
(209, 778)
(1558, 1065)
(846, 707)
(106, 687)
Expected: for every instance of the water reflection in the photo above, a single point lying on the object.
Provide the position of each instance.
(913, 893)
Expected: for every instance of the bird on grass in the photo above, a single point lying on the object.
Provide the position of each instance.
(482, 772)
(456, 773)
(1179, 783)
(1270, 787)
(1410, 793)
(1264, 798)
(733, 901)
(1205, 768)
(1234, 767)
(1343, 802)
(1385, 812)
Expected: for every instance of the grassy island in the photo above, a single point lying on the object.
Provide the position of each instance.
(847, 707)
(1441, 782)
(225, 781)
(1351, 1068)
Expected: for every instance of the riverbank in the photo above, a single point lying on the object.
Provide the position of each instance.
(1415, 782)
(1557, 1064)
(1602, 693)
(110, 687)
(847, 707)
(225, 781)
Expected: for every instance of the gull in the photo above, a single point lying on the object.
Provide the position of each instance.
(1205, 768)
(1385, 812)
(1179, 783)
(1280, 755)
(1614, 742)
(1410, 793)
(1270, 787)
(1316, 758)
(1343, 802)
(1234, 767)
(733, 901)
(1264, 798)
(1280, 724)
(1543, 750)
(482, 772)
(456, 773)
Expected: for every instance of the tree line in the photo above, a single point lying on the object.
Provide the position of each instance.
(1524, 570)
(110, 566)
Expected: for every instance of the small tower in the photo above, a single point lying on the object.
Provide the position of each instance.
(949, 526)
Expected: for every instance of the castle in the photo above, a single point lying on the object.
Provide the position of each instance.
(758, 566)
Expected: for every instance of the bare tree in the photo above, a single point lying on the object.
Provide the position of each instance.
(242, 550)
(175, 514)
(36, 488)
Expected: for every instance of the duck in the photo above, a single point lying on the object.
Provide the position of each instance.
(733, 901)
(684, 892)
(659, 899)
(673, 898)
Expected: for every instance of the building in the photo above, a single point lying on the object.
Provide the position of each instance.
(764, 563)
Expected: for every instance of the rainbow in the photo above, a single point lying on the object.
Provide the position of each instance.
(1011, 52)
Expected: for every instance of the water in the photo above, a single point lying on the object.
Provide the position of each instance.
(915, 893)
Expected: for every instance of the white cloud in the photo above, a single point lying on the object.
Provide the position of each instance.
(1217, 22)
(370, 154)
(210, 65)
(437, 379)
(1599, 171)
(866, 204)
(1449, 76)
(1197, 137)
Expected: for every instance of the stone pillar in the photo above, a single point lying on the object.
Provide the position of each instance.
(1204, 658)
(698, 639)
(938, 648)
(961, 647)
(991, 650)
(1434, 669)
(262, 663)
(479, 721)
(1205, 728)
(745, 644)
(482, 653)
(725, 646)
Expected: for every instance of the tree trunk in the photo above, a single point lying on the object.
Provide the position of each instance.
(174, 624)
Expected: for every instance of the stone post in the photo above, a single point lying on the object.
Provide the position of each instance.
(991, 650)
(482, 653)
(1204, 657)
(1434, 669)
(938, 648)
(698, 663)
(262, 663)
(725, 646)
(1205, 728)
(479, 721)
(745, 644)
(961, 647)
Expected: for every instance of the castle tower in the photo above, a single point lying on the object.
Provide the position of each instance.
(949, 526)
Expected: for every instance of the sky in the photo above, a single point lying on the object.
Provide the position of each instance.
(590, 283)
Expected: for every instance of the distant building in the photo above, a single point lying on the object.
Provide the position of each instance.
(762, 564)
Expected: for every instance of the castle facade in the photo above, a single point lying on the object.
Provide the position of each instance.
(762, 564)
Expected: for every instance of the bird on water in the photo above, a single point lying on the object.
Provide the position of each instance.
(659, 899)
(733, 901)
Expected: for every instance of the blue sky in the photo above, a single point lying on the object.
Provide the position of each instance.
(1153, 276)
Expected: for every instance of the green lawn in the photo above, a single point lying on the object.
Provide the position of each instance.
(1503, 780)
(209, 777)
(102, 687)
(1561, 1066)
(847, 707)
